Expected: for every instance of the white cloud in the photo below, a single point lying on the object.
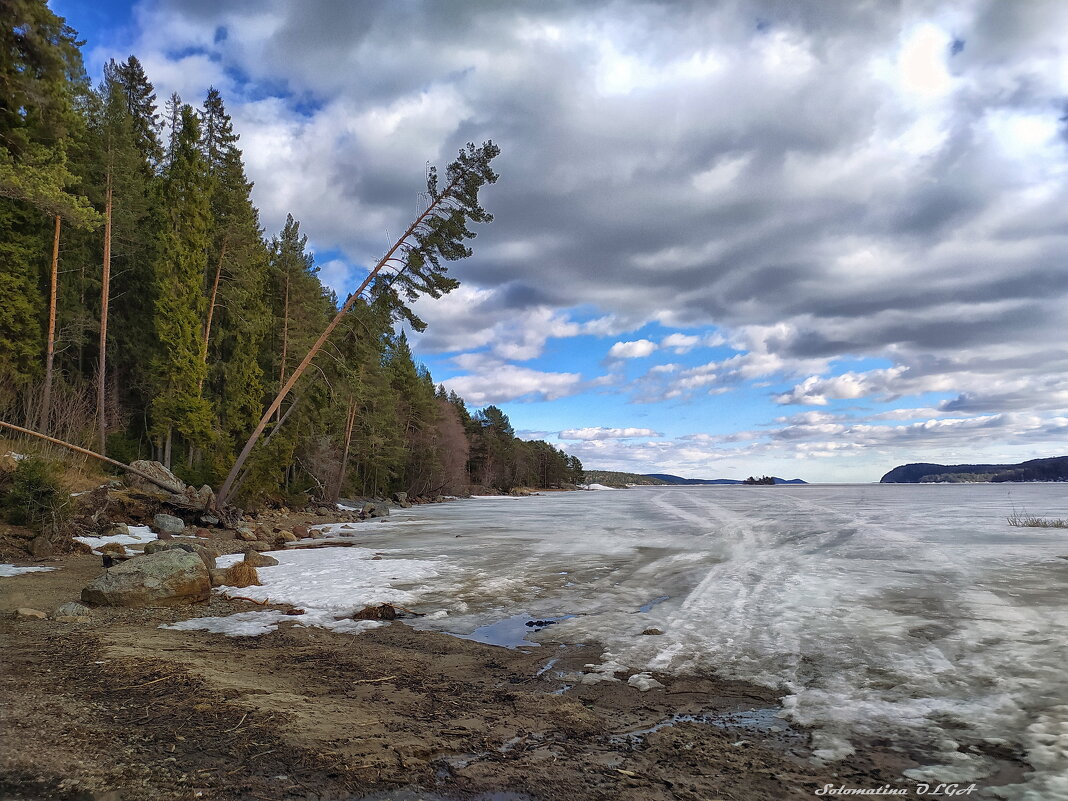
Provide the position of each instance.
(637, 349)
(589, 434)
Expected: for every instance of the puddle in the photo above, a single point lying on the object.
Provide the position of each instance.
(658, 600)
(511, 632)
(764, 720)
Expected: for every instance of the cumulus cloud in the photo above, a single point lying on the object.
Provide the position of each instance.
(637, 349)
(491, 380)
(874, 192)
(589, 434)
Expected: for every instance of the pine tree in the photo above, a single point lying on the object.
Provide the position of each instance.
(179, 273)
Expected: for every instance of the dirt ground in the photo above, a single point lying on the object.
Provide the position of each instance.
(118, 709)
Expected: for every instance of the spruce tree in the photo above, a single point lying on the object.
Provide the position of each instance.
(178, 405)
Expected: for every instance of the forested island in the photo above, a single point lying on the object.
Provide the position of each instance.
(144, 312)
(1053, 469)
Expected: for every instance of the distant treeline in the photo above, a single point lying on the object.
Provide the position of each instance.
(145, 313)
(1053, 469)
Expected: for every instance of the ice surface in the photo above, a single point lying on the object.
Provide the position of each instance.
(910, 612)
(12, 570)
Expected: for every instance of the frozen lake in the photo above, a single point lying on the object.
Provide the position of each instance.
(912, 612)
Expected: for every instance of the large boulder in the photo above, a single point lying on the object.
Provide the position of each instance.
(168, 523)
(167, 578)
(206, 554)
(157, 471)
(401, 499)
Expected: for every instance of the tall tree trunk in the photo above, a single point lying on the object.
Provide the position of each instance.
(167, 448)
(50, 348)
(350, 422)
(211, 308)
(105, 293)
(285, 344)
(239, 463)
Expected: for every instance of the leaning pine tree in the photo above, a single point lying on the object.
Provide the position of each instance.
(437, 234)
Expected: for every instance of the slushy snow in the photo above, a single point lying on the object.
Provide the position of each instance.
(139, 535)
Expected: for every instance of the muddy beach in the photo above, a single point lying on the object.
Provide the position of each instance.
(117, 709)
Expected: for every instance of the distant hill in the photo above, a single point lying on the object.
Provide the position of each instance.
(1054, 469)
(667, 478)
(612, 478)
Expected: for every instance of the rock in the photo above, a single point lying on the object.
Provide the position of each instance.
(375, 510)
(72, 609)
(207, 556)
(218, 577)
(322, 510)
(401, 499)
(652, 631)
(41, 547)
(165, 535)
(301, 532)
(117, 530)
(209, 520)
(383, 612)
(261, 546)
(168, 523)
(439, 499)
(247, 534)
(257, 559)
(202, 532)
(25, 613)
(286, 536)
(206, 495)
(167, 578)
(157, 471)
(644, 682)
(113, 548)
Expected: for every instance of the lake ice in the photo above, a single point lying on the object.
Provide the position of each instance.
(911, 612)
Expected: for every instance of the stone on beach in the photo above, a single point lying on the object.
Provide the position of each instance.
(158, 472)
(257, 559)
(168, 523)
(167, 578)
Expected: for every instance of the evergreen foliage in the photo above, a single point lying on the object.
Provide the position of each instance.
(207, 318)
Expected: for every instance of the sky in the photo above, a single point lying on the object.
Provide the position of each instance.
(806, 239)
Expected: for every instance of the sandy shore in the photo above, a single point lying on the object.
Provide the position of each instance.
(118, 709)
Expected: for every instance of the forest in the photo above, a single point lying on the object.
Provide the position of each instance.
(146, 314)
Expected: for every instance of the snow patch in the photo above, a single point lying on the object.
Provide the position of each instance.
(12, 570)
(599, 487)
(139, 535)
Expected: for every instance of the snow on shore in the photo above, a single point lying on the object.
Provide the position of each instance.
(139, 535)
(12, 570)
(329, 584)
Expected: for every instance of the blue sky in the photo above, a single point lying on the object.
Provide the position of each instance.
(808, 239)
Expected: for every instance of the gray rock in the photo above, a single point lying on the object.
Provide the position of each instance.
(72, 609)
(167, 578)
(207, 556)
(323, 510)
(652, 632)
(25, 613)
(247, 534)
(376, 510)
(168, 523)
(401, 499)
(209, 520)
(157, 471)
(41, 547)
(257, 559)
(116, 530)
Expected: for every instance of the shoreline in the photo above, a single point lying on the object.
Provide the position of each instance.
(350, 717)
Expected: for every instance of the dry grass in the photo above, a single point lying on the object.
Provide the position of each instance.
(241, 574)
(1024, 520)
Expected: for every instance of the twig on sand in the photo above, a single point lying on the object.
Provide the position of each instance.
(374, 681)
(238, 726)
(138, 686)
(264, 602)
